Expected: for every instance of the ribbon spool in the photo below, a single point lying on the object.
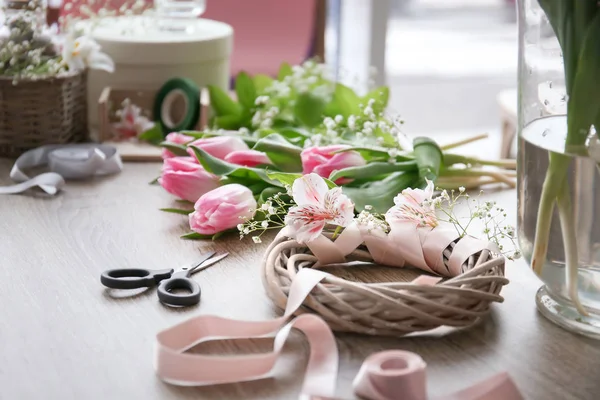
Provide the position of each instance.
(164, 105)
(73, 161)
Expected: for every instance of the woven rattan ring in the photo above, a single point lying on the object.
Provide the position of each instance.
(390, 308)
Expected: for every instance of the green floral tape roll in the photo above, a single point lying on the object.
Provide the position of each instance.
(177, 91)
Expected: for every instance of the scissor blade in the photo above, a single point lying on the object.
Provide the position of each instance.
(201, 261)
(211, 261)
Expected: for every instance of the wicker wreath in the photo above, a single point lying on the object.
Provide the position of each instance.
(388, 309)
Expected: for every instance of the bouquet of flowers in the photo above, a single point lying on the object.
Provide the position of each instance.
(303, 122)
(31, 50)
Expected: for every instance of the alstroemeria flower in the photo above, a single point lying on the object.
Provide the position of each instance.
(132, 123)
(413, 206)
(316, 206)
(83, 52)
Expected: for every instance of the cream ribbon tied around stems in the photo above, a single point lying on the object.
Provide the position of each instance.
(72, 161)
(388, 375)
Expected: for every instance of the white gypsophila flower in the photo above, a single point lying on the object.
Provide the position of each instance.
(272, 211)
(461, 189)
(265, 224)
(329, 123)
(352, 122)
(338, 119)
(256, 239)
(240, 227)
(266, 123)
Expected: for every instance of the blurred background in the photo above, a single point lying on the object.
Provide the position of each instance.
(447, 61)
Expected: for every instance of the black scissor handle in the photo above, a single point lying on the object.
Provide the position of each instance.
(191, 298)
(133, 278)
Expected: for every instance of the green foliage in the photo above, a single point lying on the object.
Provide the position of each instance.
(245, 90)
(309, 110)
(380, 194)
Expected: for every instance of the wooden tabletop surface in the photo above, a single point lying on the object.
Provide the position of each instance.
(63, 336)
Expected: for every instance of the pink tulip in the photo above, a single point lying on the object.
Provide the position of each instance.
(222, 208)
(176, 138)
(323, 161)
(186, 179)
(219, 146)
(248, 158)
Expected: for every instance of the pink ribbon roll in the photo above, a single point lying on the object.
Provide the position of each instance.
(391, 375)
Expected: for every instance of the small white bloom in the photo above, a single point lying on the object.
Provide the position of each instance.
(256, 239)
(338, 119)
(265, 224)
(329, 123)
(272, 210)
(266, 123)
(246, 231)
(240, 227)
(461, 189)
(352, 122)
(265, 206)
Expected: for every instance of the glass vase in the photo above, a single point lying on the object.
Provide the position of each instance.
(542, 126)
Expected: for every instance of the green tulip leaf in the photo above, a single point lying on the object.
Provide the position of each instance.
(380, 194)
(372, 170)
(241, 174)
(428, 156)
(268, 193)
(154, 135)
(177, 149)
(177, 211)
(284, 155)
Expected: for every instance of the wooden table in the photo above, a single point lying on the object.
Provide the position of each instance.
(63, 336)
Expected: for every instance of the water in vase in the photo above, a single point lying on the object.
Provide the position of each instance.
(536, 140)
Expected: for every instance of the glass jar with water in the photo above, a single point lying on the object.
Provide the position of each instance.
(570, 297)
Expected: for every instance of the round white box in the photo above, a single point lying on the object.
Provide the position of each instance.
(146, 57)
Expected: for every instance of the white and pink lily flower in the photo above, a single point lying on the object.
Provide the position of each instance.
(83, 52)
(132, 123)
(316, 206)
(413, 206)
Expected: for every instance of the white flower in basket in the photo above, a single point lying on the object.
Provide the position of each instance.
(83, 52)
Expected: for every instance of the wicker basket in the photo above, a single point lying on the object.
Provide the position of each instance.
(48, 111)
(387, 308)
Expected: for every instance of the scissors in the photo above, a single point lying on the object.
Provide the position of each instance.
(166, 279)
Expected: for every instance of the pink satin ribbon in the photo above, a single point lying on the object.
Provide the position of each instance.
(389, 375)
(406, 244)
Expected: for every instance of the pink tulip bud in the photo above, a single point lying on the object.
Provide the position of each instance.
(186, 179)
(223, 208)
(177, 138)
(323, 161)
(219, 146)
(248, 158)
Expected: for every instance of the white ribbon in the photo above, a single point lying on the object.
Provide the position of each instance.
(73, 161)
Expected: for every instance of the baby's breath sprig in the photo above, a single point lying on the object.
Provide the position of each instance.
(270, 215)
(488, 213)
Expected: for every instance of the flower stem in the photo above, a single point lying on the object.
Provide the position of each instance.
(567, 222)
(450, 159)
(464, 141)
(471, 172)
(555, 176)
